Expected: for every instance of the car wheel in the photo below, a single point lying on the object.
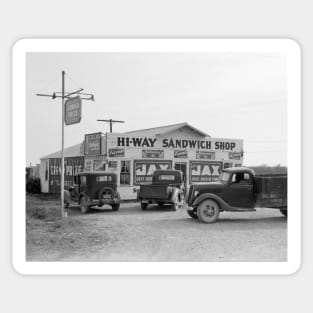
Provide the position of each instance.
(208, 211)
(283, 212)
(192, 214)
(144, 205)
(115, 207)
(84, 204)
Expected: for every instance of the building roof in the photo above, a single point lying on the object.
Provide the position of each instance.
(72, 151)
(163, 130)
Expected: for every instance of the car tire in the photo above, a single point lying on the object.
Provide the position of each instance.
(144, 206)
(192, 214)
(115, 207)
(84, 204)
(283, 212)
(208, 211)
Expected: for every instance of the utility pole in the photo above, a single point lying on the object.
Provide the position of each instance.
(67, 96)
(111, 122)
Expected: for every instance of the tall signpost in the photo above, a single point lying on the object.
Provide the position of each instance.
(71, 114)
(111, 122)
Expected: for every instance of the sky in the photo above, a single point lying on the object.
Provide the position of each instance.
(227, 95)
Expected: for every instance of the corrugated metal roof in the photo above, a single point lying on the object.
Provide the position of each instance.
(72, 151)
(162, 130)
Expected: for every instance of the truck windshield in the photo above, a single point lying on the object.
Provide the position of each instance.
(224, 176)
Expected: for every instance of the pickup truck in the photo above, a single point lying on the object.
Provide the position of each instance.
(167, 187)
(238, 189)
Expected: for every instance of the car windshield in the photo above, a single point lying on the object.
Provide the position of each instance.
(224, 177)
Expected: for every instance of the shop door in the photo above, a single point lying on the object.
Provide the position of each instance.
(182, 167)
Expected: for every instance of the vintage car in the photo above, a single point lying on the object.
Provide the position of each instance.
(96, 189)
(167, 187)
(237, 190)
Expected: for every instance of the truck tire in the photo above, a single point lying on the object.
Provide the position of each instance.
(144, 206)
(84, 204)
(192, 214)
(208, 211)
(283, 212)
(115, 206)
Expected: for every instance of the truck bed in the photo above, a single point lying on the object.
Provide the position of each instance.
(271, 191)
(153, 192)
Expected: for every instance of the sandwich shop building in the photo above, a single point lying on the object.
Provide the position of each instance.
(134, 156)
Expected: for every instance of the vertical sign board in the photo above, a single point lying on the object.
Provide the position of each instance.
(143, 170)
(93, 144)
(73, 110)
(204, 171)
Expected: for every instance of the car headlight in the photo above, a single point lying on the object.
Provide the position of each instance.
(196, 194)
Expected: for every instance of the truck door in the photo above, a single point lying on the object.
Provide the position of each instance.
(240, 192)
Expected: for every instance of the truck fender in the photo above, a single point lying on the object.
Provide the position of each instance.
(224, 206)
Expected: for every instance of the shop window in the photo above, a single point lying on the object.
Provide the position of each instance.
(125, 173)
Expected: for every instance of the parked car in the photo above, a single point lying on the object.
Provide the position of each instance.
(167, 187)
(96, 189)
(237, 190)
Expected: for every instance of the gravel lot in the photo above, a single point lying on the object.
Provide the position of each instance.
(157, 234)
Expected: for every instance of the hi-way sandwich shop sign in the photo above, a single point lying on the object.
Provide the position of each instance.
(216, 144)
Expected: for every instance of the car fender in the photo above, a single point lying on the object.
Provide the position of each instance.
(224, 206)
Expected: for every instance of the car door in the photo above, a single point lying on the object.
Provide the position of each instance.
(240, 191)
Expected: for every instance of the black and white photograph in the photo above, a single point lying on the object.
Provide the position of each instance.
(161, 157)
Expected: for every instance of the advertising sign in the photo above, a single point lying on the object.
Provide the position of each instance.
(183, 154)
(88, 165)
(205, 155)
(204, 171)
(116, 152)
(153, 154)
(234, 155)
(72, 166)
(93, 144)
(73, 110)
(207, 143)
(143, 170)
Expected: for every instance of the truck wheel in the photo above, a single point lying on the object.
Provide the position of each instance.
(283, 212)
(144, 205)
(115, 207)
(192, 214)
(84, 204)
(208, 211)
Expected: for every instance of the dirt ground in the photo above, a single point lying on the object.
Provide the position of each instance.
(157, 234)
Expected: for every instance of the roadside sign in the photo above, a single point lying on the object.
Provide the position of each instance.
(73, 110)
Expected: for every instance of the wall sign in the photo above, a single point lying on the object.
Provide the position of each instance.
(92, 144)
(206, 143)
(116, 152)
(208, 155)
(88, 165)
(183, 154)
(153, 154)
(143, 170)
(234, 155)
(204, 171)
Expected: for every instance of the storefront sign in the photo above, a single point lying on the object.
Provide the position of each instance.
(73, 110)
(116, 152)
(202, 171)
(180, 154)
(93, 144)
(234, 155)
(153, 154)
(143, 170)
(172, 143)
(205, 155)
